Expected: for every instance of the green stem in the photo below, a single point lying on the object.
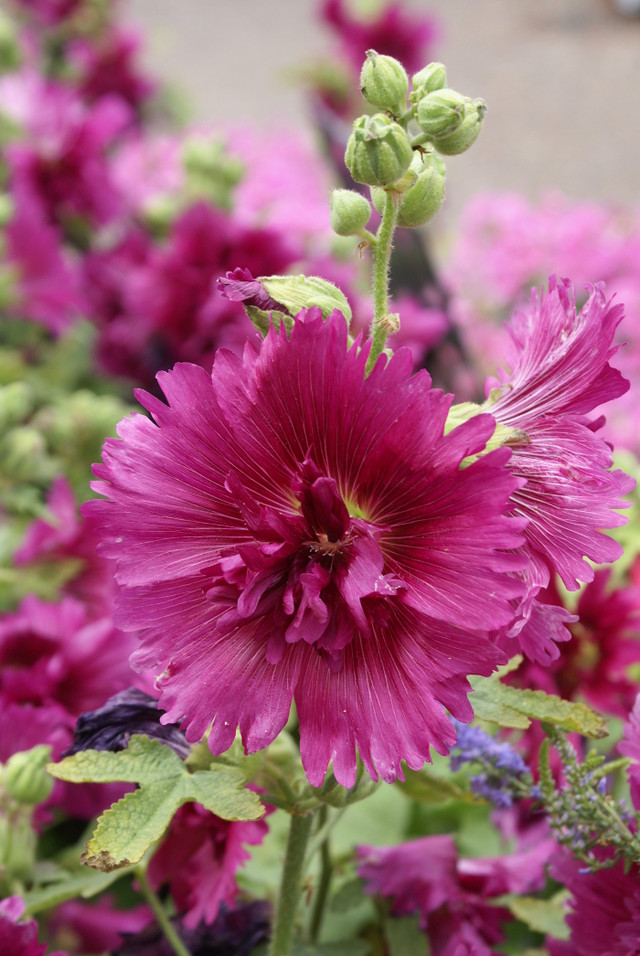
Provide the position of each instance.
(160, 914)
(290, 886)
(324, 883)
(381, 259)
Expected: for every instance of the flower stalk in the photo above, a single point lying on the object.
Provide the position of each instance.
(160, 913)
(290, 885)
(381, 259)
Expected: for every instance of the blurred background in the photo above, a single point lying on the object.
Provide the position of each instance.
(560, 78)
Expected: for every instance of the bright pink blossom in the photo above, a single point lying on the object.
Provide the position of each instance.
(560, 372)
(452, 895)
(289, 528)
(604, 915)
(394, 31)
(19, 937)
(199, 857)
(52, 653)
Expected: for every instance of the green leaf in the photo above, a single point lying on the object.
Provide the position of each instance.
(426, 787)
(343, 947)
(348, 896)
(542, 916)
(86, 884)
(130, 826)
(515, 707)
(404, 936)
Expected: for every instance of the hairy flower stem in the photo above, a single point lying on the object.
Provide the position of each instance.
(381, 259)
(290, 885)
(160, 914)
(324, 883)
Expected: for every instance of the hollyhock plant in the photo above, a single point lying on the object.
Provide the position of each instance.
(560, 373)
(18, 936)
(198, 858)
(52, 652)
(595, 663)
(324, 565)
(452, 895)
(604, 908)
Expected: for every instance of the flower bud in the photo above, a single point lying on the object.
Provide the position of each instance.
(350, 212)
(442, 112)
(429, 78)
(378, 151)
(424, 198)
(303, 292)
(384, 82)
(466, 133)
(25, 775)
(16, 403)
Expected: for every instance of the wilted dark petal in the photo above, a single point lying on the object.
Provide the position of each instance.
(131, 711)
(236, 932)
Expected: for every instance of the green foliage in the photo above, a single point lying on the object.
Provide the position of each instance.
(542, 916)
(404, 936)
(514, 707)
(131, 825)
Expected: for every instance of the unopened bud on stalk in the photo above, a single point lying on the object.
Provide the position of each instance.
(466, 133)
(25, 775)
(423, 199)
(378, 151)
(384, 82)
(442, 112)
(429, 78)
(350, 212)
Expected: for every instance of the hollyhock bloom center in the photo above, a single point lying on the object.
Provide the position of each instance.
(318, 570)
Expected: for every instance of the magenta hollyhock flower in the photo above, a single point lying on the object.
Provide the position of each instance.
(394, 30)
(630, 747)
(199, 857)
(560, 373)
(19, 937)
(595, 663)
(65, 536)
(160, 305)
(287, 528)
(53, 653)
(605, 908)
(452, 895)
(48, 12)
(108, 68)
(47, 281)
(63, 163)
(97, 927)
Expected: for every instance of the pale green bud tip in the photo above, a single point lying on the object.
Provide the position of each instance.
(442, 112)
(25, 775)
(466, 133)
(384, 82)
(350, 212)
(429, 78)
(378, 151)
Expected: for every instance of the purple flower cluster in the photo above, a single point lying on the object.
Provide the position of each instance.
(504, 774)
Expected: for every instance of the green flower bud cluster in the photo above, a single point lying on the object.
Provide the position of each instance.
(399, 149)
(449, 121)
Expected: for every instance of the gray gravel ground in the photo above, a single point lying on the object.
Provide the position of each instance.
(560, 77)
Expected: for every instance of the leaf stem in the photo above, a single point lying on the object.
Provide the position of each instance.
(381, 259)
(160, 913)
(290, 886)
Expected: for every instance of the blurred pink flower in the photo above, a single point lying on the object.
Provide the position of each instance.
(198, 857)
